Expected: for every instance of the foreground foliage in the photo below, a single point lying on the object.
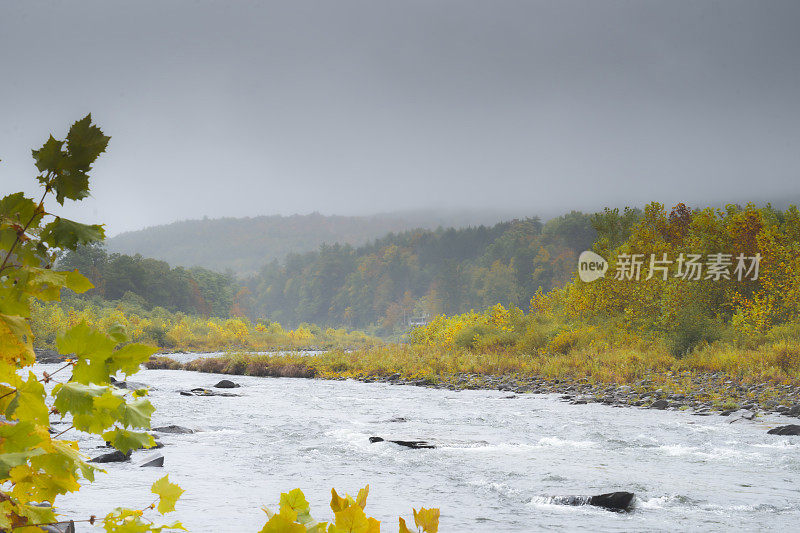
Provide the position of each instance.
(294, 516)
(36, 466)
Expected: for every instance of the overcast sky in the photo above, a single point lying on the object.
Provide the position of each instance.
(249, 108)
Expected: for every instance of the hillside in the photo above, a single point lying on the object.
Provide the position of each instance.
(421, 272)
(244, 245)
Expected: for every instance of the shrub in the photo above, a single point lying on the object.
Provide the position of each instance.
(691, 329)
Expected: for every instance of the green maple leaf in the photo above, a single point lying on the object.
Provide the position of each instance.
(77, 398)
(116, 331)
(64, 233)
(125, 440)
(296, 501)
(18, 437)
(28, 403)
(136, 413)
(10, 460)
(79, 283)
(168, 494)
(105, 412)
(85, 142)
(93, 350)
(281, 523)
(17, 208)
(49, 157)
(128, 358)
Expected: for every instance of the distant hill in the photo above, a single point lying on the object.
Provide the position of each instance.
(244, 245)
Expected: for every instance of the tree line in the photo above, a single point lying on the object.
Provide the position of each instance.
(379, 285)
(151, 283)
(421, 273)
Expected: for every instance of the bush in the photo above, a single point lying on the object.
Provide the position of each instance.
(469, 336)
(692, 329)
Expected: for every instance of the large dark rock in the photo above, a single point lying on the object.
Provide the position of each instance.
(129, 385)
(114, 457)
(617, 501)
(793, 411)
(414, 444)
(200, 391)
(614, 501)
(154, 461)
(791, 429)
(178, 430)
(741, 415)
(226, 384)
(659, 404)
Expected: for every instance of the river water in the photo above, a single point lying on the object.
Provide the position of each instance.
(499, 459)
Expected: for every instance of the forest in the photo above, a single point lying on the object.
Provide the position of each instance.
(421, 273)
(149, 283)
(377, 286)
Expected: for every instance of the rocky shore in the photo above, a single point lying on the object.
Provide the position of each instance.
(702, 393)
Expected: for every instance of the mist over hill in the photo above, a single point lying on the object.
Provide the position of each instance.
(245, 244)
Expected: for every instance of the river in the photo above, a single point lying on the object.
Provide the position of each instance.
(499, 459)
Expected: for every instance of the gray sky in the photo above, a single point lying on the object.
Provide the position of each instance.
(249, 108)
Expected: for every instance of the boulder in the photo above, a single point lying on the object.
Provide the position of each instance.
(200, 391)
(740, 415)
(130, 385)
(659, 404)
(114, 457)
(156, 460)
(793, 411)
(791, 429)
(226, 384)
(177, 430)
(414, 444)
(615, 501)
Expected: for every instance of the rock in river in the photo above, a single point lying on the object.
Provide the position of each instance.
(791, 429)
(226, 384)
(114, 457)
(614, 501)
(200, 391)
(617, 501)
(414, 444)
(130, 385)
(156, 460)
(180, 430)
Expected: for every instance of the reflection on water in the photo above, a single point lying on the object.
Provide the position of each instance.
(498, 463)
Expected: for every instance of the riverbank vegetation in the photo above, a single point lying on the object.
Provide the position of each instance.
(666, 329)
(173, 331)
(37, 464)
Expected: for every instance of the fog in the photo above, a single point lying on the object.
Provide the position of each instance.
(250, 108)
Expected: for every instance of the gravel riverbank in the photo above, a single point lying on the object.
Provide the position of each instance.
(702, 393)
